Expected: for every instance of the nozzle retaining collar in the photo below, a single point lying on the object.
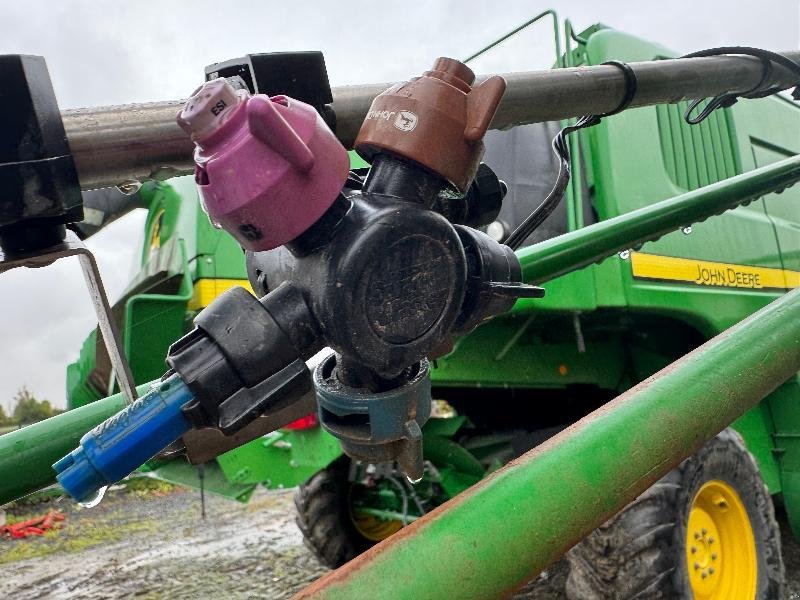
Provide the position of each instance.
(376, 427)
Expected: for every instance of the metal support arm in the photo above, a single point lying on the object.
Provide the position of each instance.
(498, 534)
(72, 246)
(562, 254)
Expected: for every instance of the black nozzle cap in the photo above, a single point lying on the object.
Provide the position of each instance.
(244, 355)
(301, 75)
(484, 198)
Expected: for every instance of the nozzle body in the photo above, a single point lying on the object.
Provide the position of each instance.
(124, 442)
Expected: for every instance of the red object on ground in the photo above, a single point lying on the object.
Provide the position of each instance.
(35, 526)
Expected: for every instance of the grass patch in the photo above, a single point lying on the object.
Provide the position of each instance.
(42, 496)
(148, 487)
(73, 537)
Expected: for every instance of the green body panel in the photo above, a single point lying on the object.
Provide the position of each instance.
(758, 430)
(281, 458)
(629, 327)
(179, 471)
(80, 389)
(509, 353)
(783, 408)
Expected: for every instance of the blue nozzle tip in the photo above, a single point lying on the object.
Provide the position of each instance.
(77, 475)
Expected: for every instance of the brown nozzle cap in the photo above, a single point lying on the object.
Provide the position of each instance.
(437, 120)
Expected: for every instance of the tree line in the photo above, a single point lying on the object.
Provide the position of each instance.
(26, 409)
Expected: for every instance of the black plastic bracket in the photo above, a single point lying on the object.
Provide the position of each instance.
(39, 189)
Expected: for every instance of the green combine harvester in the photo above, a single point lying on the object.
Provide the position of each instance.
(707, 529)
(524, 376)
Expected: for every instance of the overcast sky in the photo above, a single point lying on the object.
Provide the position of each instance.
(126, 51)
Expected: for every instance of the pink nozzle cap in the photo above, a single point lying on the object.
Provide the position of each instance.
(267, 168)
(208, 108)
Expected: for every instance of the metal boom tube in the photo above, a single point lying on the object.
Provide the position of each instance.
(137, 142)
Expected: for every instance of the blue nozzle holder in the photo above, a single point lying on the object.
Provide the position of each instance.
(125, 441)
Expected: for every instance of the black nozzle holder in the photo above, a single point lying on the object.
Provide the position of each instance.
(245, 355)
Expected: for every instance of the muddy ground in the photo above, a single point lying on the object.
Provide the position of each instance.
(155, 545)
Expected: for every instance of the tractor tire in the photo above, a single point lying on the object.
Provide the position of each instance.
(320, 503)
(662, 544)
(326, 521)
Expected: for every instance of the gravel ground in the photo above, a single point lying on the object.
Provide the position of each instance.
(158, 547)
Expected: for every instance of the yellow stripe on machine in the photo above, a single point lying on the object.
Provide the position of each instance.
(205, 290)
(714, 274)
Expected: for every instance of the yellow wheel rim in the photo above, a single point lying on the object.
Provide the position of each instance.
(370, 526)
(373, 528)
(720, 546)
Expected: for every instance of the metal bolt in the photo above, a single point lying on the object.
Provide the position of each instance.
(694, 549)
(696, 566)
(710, 540)
(720, 501)
(703, 574)
(710, 570)
(713, 556)
(687, 230)
(129, 187)
(625, 254)
(696, 535)
(704, 530)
